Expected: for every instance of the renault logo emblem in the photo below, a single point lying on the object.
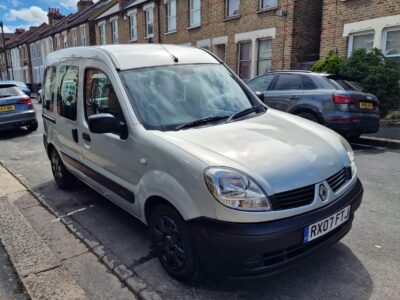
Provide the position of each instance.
(323, 192)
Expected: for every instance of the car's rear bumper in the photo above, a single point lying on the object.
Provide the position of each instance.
(17, 119)
(236, 249)
(355, 124)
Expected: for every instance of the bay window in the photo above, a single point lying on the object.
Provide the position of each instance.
(245, 58)
(194, 13)
(171, 15)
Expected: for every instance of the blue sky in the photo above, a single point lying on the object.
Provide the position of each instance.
(25, 13)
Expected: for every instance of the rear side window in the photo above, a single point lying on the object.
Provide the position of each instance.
(48, 90)
(288, 82)
(261, 83)
(100, 96)
(67, 92)
(9, 91)
(308, 83)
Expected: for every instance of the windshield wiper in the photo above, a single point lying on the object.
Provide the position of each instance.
(245, 112)
(201, 121)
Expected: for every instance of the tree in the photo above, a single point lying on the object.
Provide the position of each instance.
(331, 64)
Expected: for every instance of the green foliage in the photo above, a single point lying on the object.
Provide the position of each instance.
(331, 64)
(378, 75)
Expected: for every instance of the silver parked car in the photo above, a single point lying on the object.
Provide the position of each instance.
(16, 108)
(174, 137)
(337, 102)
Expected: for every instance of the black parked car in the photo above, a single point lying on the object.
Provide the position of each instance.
(337, 102)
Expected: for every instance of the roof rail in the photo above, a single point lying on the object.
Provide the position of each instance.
(290, 71)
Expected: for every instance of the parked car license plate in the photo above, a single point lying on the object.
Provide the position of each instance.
(320, 228)
(366, 105)
(7, 108)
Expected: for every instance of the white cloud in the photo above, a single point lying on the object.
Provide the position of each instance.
(15, 3)
(2, 6)
(68, 3)
(33, 15)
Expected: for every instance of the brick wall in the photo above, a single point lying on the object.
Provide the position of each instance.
(337, 13)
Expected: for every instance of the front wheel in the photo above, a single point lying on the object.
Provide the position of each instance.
(62, 176)
(173, 244)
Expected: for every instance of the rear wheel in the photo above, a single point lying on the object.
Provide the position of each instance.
(62, 176)
(32, 126)
(173, 244)
(308, 115)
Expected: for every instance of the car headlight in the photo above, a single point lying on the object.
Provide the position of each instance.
(350, 154)
(236, 190)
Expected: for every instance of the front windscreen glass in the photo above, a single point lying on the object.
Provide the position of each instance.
(167, 97)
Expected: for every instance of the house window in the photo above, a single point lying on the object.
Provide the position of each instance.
(232, 8)
(83, 36)
(58, 43)
(171, 15)
(102, 33)
(65, 43)
(74, 38)
(114, 30)
(361, 41)
(149, 22)
(391, 44)
(267, 4)
(133, 24)
(195, 13)
(264, 56)
(245, 60)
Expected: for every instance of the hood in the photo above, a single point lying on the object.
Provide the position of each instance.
(280, 151)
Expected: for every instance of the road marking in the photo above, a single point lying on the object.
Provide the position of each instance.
(34, 135)
(72, 212)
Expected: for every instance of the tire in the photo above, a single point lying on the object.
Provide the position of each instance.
(308, 115)
(33, 126)
(62, 176)
(173, 244)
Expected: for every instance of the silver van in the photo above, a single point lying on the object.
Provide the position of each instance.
(174, 137)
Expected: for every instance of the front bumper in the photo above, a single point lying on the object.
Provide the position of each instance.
(18, 119)
(237, 249)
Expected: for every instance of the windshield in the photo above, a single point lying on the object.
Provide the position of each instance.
(346, 84)
(168, 97)
(8, 91)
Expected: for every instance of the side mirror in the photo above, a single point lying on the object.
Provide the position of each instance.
(260, 95)
(107, 123)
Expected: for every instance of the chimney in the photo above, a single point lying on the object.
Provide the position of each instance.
(53, 15)
(19, 30)
(83, 4)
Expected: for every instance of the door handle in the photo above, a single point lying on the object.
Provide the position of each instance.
(86, 137)
(293, 97)
(75, 135)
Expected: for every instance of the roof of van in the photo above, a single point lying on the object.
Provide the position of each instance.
(136, 56)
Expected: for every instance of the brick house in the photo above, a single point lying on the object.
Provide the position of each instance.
(351, 24)
(251, 36)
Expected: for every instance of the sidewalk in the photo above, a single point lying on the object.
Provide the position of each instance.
(51, 262)
(387, 136)
(387, 132)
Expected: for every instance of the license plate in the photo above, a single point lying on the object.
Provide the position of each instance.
(366, 105)
(320, 228)
(7, 108)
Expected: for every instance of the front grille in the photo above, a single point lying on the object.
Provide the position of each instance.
(337, 180)
(295, 198)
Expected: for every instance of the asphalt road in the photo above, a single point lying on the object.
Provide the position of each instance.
(364, 265)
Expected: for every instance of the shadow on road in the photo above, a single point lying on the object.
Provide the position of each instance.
(8, 134)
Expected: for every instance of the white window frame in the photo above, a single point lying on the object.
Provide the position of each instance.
(83, 35)
(192, 11)
(149, 11)
(351, 37)
(114, 30)
(65, 39)
(384, 41)
(74, 38)
(102, 32)
(269, 7)
(227, 10)
(132, 14)
(258, 54)
(170, 15)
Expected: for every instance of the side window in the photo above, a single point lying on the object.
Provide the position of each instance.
(308, 83)
(48, 90)
(100, 96)
(288, 82)
(67, 92)
(261, 83)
